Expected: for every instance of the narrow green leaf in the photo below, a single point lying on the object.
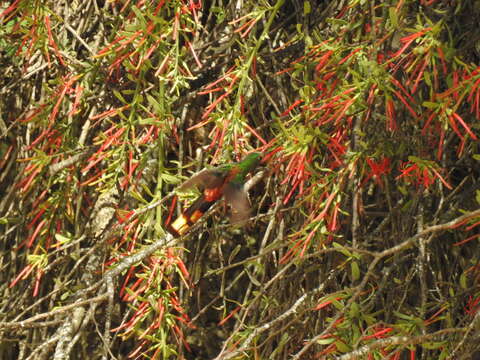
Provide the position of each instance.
(342, 249)
(234, 253)
(337, 304)
(354, 310)
(433, 345)
(430, 105)
(119, 96)
(355, 270)
(326, 341)
(403, 316)
(307, 8)
(139, 15)
(155, 104)
(463, 281)
(428, 78)
(62, 239)
(170, 179)
(149, 121)
(341, 346)
(393, 17)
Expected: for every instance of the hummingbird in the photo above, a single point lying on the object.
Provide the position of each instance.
(225, 180)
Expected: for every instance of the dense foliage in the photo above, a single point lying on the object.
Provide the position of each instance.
(363, 243)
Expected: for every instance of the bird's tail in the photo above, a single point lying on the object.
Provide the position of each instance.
(190, 216)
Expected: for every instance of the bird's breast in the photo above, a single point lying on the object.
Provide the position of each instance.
(213, 194)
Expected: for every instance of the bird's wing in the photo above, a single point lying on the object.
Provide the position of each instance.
(205, 179)
(237, 198)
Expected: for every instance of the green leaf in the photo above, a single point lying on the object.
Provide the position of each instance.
(326, 341)
(307, 8)
(370, 320)
(39, 261)
(136, 195)
(149, 121)
(355, 270)
(342, 249)
(430, 105)
(392, 13)
(220, 12)
(463, 281)
(341, 346)
(403, 316)
(234, 253)
(428, 79)
(62, 239)
(337, 304)
(433, 345)
(354, 310)
(170, 179)
(139, 15)
(119, 96)
(155, 104)
(444, 354)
